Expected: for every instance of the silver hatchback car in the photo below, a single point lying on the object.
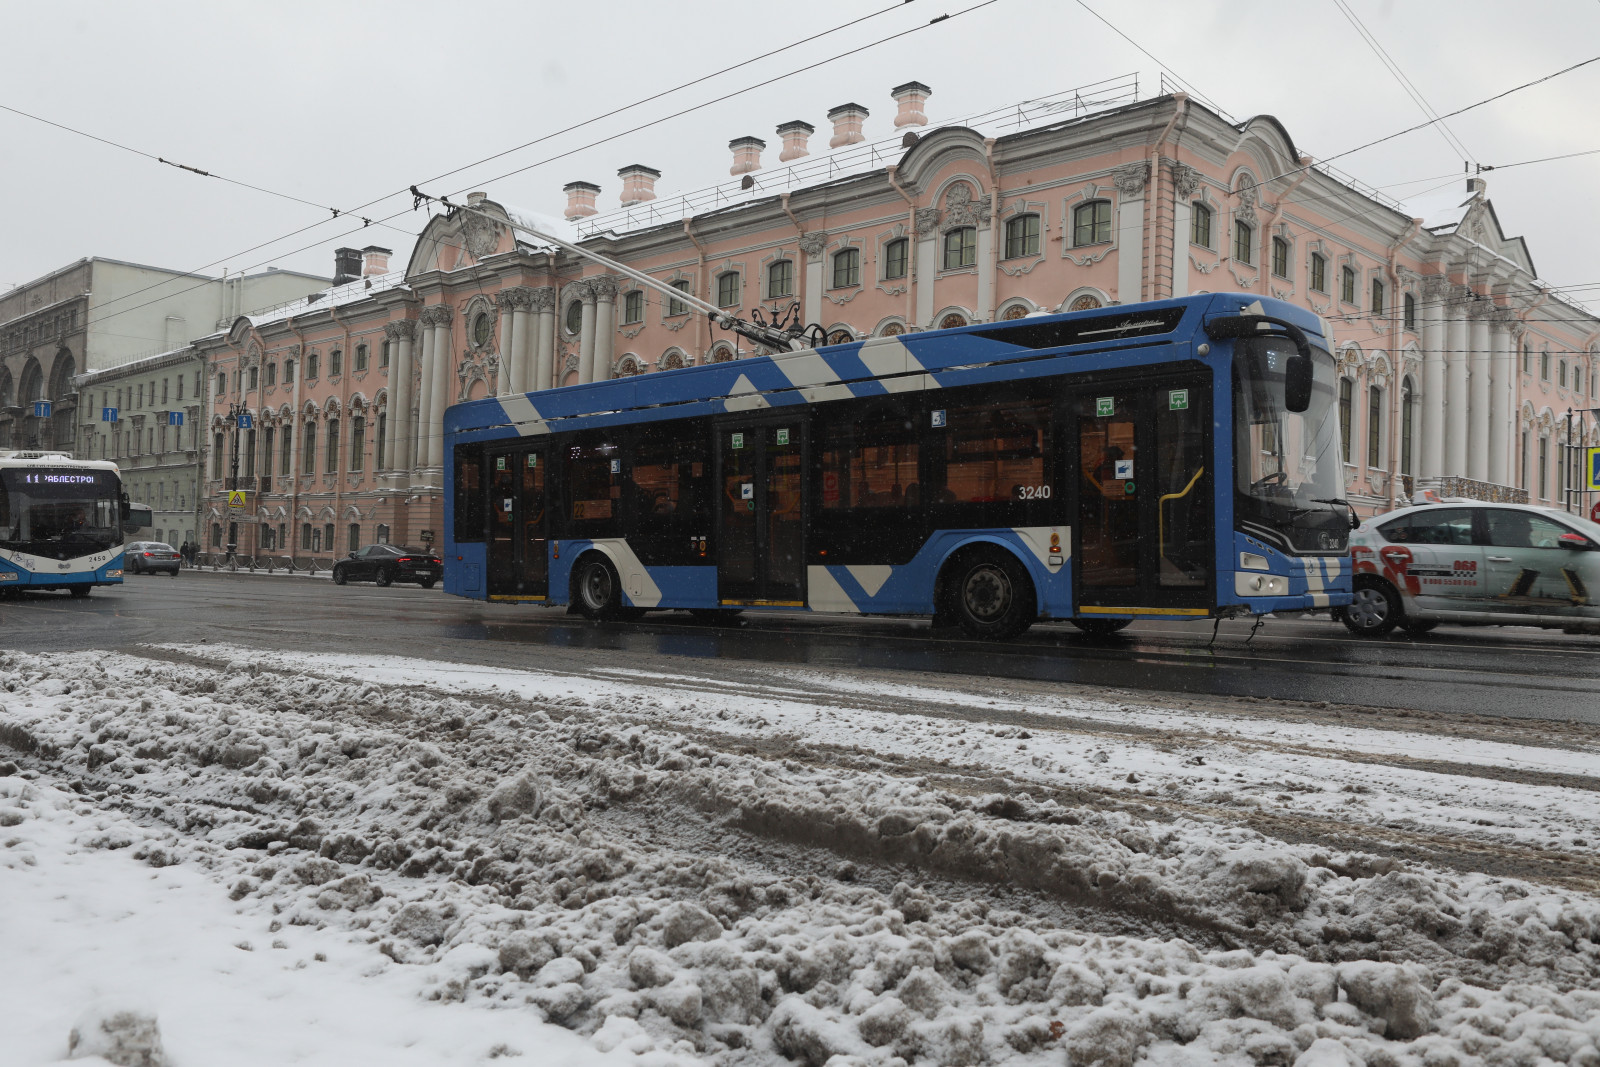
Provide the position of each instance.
(1475, 563)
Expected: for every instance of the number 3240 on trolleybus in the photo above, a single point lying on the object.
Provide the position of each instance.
(1176, 458)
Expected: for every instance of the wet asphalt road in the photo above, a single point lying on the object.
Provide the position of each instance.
(1501, 671)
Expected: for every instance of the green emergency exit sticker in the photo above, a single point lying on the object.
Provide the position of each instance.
(533, 460)
(1105, 407)
(738, 440)
(783, 437)
(1178, 400)
(499, 463)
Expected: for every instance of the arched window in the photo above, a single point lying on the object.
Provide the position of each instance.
(1243, 242)
(573, 320)
(1346, 398)
(355, 536)
(1015, 311)
(952, 321)
(1280, 257)
(780, 279)
(840, 337)
(1200, 225)
(1091, 223)
(722, 355)
(1022, 236)
(1408, 312)
(961, 247)
(728, 289)
(327, 535)
(1319, 272)
(332, 454)
(482, 330)
(1374, 427)
(897, 258)
(893, 329)
(1347, 285)
(216, 454)
(308, 457)
(1086, 302)
(846, 268)
(1408, 402)
(1377, 296)
(628, 367)
(284, 450)
(358, 442)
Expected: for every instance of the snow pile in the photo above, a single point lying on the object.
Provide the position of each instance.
(693, 885)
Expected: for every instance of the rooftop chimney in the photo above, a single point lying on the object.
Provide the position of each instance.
(638, 183)
(795, 134)
(580, 199)
(746, 154)
(375, 260)
(346, 265)
(847, 120)
(913, 100)
(474, 199)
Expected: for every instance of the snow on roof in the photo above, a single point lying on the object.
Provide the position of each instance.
(553, 225)
(862, 158)
(1440, 210)
(334, 296)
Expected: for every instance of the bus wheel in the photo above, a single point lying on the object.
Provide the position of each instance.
(1101, 627)
(79, 591)
(595, 588)
(1375, 609)
(991, 594)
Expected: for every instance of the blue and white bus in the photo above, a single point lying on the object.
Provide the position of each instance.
(1176, 458)
(60, 523)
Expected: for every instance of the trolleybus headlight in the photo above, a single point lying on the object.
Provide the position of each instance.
(8, 576)
(1260, 584)
(1251, 562)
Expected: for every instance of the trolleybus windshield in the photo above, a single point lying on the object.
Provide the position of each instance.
(45, 509)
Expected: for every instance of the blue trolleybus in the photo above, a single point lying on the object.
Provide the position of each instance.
(1177, 458)
(60, 523)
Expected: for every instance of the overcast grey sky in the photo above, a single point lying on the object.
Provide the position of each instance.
(342, 103)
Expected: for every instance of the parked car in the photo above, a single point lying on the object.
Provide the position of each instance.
(149, 557)
(1475, 563)
(385, 564)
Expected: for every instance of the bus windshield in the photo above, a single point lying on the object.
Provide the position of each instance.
(1288, 476)
(47, 510)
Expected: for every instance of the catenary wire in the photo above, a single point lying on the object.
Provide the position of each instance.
(1197, 94)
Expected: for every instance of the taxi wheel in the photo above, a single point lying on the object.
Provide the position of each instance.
(1374, 610)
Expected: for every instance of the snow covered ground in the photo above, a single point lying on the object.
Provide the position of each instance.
(328, 859)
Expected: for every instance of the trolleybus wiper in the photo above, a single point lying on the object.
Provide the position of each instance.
(785, 333)
(1342, 502)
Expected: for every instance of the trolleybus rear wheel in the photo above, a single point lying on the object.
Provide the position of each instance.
(1101, 627)
(595, 588)
(991, 594)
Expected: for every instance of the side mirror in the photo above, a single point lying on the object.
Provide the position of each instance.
(123, 508)
(1297, 374)
(1576, 541)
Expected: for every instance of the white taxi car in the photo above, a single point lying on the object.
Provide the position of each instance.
(1475, 563)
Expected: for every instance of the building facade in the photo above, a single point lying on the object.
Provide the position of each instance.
(145, 415)
(99, 313)
(1458, 366)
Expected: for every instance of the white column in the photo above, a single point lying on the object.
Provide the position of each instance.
(814, 245)
(521, 343)
(396, 448)
(544, 302)
(1130, 180)
(1434, 294)
(1502, 412)
(417, 427)
(1478, 383)
(585, 290)
(444, 369)
(605, 326)
(1185, 183)
(927, 264)
(988, 260)
(1455, 435)
(505, 380)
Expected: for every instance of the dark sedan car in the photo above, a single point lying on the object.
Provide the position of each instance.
(150, 557)
(385, 564)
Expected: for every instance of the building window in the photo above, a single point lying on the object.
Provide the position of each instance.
(674, 305)
(846, 268)
(335, 363)
(305, 536)
(288, 372)
(222, 384)
(1374, 427)
(355, 536)
(1577, 378)
(361, 358)
(1345, 401)
(1347, 285)
(1200, 225)
(1408, 312)
(1280, 257)
(1544, 468)
(1091, 223)
(333, 446)
(216, 535)
(896, 258)
(271, 374)
(180, 387)
(327, 535)
(1522, 464)
(1319, 273)
(1377, 297)
(1544, 366)
(961, 247)
(216, 455)
(308, 459)
(1022, 236)
(1243, 242)
(266, 450)
(383, 354)
(574, 319)
(383, 533)
(633, 307)
(358, 442)
(728, 289)
(313, 365)
(1561, 374)
(952, 321)
(482, 329)
(284, 451)
(780, 279)
(383, 433)
(1408, 402)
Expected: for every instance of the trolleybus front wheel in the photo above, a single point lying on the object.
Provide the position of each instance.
(596, 590)
(79, 591)
(990, 594)
(1101, 627)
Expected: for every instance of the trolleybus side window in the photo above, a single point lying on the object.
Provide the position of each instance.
(469, 493)
(671, 477)
(994, 452)
(594, 480)
(870, 460)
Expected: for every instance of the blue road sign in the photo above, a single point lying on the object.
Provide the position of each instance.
(175, 418)
(108, 414)
(246, 422)
(1594, 470)
(41, 409)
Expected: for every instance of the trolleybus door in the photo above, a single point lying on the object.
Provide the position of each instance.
(518, 535)
(761, 516)
(1144, 531)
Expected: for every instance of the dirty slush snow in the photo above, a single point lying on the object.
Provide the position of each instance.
(684, 873)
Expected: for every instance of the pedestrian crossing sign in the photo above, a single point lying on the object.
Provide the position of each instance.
(1594, 470)
(236, 498)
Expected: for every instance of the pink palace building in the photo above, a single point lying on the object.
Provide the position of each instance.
(1459, 367)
